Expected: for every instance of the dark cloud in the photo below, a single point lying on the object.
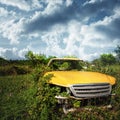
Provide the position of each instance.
(112, 30)
(75, 11)
(65, 14)
(44, 22)
(100, 9)
(101, 5)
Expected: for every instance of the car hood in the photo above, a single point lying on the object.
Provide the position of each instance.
(67, 78)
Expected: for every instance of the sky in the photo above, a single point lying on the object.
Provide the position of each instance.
(82, 28)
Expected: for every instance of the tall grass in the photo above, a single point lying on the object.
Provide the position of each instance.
(14, 70)
(12, 96)
(25, 97)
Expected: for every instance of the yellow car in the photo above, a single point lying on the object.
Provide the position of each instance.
(79, 84)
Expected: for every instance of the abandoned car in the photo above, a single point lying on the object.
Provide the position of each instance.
(79, 84)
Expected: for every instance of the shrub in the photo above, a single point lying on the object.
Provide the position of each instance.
(44, 97)
(14, 70)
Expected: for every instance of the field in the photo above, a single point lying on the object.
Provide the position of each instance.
(14, 96)
(22, 98)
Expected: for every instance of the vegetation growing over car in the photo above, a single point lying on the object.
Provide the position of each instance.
(20, 95)
(70, 77)
(65, 64)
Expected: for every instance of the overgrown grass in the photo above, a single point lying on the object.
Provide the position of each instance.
(14, 70)
(13, 93)
(25, 97)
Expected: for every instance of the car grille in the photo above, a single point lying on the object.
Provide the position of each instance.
(91, 90)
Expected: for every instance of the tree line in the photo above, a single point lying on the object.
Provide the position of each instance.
(35, 59)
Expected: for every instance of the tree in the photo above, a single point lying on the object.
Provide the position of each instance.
(107, 59)
(30, 55)
(3, 61)
(117, 51)
(36, 59)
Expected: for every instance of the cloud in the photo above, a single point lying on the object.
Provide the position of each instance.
(85, 29)
(83, 41)
(69, 2)
(58, 12)
(16, 3)
(110, 26)
(11, 25)
(13, 53)
(90, 2)
(22, 4)
(6, 15)
(12, 30)
(3, 12)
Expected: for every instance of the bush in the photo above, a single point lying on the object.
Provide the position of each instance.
(14, 70)
(44, 97)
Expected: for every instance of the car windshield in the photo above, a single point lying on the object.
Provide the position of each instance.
(65, 65)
